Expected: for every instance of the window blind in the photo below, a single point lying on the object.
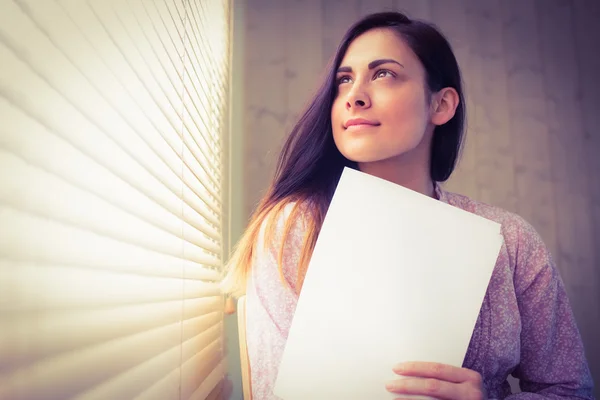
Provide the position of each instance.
(112, 120)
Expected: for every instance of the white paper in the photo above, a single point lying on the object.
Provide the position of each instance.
(395, 276)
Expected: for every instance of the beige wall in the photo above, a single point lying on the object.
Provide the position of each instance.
(531, 73)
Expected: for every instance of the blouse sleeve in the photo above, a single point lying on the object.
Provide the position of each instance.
(271, 298)
(553, 363)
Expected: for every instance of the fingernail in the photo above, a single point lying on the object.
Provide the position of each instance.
(399, 368)
(389, 385)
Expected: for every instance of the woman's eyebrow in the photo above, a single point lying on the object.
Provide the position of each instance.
(372, 64)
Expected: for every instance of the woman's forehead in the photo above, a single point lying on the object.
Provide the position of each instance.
(376, 44)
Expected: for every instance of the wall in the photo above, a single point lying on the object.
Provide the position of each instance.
(530, 69)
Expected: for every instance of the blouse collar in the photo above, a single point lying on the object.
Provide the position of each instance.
(440, 194)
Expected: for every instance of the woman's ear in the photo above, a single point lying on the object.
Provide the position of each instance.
(443, 105)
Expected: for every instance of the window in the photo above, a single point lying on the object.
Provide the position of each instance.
(112, 170)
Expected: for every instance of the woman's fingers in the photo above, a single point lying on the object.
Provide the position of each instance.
(440, 381)
(426, 387)
(439, 371)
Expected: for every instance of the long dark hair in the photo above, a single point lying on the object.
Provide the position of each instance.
(310, 165)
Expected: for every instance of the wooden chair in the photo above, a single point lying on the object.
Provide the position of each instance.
(245, 362)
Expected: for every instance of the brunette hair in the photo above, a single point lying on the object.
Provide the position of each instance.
(310, 165)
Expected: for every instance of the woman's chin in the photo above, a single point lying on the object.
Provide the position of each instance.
(366, 157)
(375, 154)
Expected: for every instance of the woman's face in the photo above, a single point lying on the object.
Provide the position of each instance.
(381, 109)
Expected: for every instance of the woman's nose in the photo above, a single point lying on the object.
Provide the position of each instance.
(358, 100)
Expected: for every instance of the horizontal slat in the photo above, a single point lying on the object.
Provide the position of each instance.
(143, 108)
(75, 102)
(167, 387)
(202, 173)
(203, 99)
(165, 108)
(161, 34)
(111, 188)
(82, 249)
(200, 62)
(48, 151)
(128, 23)
(70, 374)
(68, 288)
(198, 108)
(207, 131)
(85, 139)
(170, 21)
(133, 18)
(197, 328)
(35, 238)
(192, 127)
(202, 121)
(39, 192)
(201, 50)
(211, 20)
(96, 253)
(64, 376)
(177, 11)
(138, 379)
(196, 370)
(201, 373)
(212, 380)
(217, 393)
(213, 34)
(59, 332)
(198, 96)
(130, 50)
(166, 87)
(34, 48)
(206, 345)
(131, 383)
(210, 33)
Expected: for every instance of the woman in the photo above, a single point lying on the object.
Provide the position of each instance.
(392, 106)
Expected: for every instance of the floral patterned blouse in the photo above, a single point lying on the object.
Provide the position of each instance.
(525, 326)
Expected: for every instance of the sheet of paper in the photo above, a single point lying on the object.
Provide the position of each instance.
(395, 276)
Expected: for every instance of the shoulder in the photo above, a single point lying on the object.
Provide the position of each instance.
(512, 223)
(284, 222)
(280, 243)
(528, 255)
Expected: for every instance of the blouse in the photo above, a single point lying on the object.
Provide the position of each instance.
(525, 328)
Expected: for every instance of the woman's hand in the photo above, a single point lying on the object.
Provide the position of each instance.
(439, 381)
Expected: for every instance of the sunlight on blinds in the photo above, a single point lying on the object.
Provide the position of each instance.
(111, 198)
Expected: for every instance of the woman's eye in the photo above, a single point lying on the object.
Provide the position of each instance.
(343, 79)
(383, 73)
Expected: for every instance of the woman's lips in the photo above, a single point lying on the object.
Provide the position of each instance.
(360, 126)
(359, 123)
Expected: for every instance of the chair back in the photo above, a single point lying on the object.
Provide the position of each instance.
(245, 362)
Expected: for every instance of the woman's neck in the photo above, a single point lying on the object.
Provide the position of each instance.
(402, 171)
